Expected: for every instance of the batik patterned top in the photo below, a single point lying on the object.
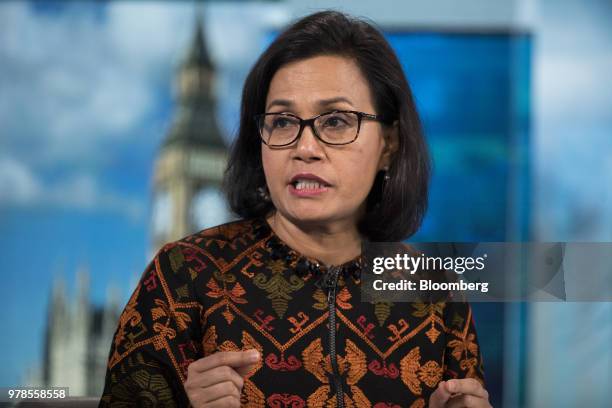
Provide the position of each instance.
(238, 286)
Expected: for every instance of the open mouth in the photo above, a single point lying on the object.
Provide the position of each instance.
(308, 185)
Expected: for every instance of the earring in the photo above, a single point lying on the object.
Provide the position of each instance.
(263, 193)
(387, 176)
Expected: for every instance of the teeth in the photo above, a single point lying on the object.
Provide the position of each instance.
(309, 185)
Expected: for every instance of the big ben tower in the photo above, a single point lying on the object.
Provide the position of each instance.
(193, 156)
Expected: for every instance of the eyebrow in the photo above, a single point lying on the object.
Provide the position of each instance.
(322, 102)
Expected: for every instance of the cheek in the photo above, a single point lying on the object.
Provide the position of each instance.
(357, 174)
(273, 165)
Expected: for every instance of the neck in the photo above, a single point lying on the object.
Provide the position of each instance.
(330, 243)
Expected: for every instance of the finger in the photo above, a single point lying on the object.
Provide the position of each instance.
(467, 401)
(469, 386)
(228, 358)
(245, 369)
(199, 398)
(225, 402)
(439, 396)
(213, 376)
(220, 390)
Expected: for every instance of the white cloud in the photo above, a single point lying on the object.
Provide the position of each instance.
(81, 84)
(19, 186)
(237, 31)
(73, 81)
(83, 192)
(78, 80)
(17, 183)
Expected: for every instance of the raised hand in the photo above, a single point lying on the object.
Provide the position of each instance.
(216, 381)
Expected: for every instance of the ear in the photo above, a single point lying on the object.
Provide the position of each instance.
(391, 136)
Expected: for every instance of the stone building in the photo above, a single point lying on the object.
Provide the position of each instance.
(190, 164)
(186, 197)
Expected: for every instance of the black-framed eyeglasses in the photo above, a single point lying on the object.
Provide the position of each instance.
(338, 127)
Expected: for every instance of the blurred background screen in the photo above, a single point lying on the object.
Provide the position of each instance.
(116, 118)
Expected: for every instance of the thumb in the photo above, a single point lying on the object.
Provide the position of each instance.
(440, 395)
(246, 368)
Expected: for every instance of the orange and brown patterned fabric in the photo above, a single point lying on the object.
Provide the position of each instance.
(237, 286)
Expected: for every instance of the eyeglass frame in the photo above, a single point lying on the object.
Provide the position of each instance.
(310, 122)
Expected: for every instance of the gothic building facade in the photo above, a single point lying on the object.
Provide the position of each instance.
(186, 197)
(188, 171)
(77, 339)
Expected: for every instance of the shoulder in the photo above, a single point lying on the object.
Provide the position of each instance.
(218, 243)
(243, 230)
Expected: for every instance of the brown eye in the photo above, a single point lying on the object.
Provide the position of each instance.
(334, 122)
(280, 123)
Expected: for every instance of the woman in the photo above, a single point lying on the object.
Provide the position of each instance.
(263, 311)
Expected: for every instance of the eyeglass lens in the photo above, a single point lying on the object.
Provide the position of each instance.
(333, 128)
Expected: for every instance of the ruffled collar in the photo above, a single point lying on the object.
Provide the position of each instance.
(301, 264)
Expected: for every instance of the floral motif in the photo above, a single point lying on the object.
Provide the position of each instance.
(463, 345)
(279, 289)
(237, 287)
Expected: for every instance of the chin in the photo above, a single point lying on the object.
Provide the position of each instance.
(306, 215)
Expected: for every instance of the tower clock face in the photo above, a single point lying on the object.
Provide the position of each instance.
(162, 213)
(208, 208)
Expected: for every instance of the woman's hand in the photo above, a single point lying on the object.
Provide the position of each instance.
(465, 392)
(216, 380)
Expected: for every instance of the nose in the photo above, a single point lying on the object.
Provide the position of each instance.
(309, 147)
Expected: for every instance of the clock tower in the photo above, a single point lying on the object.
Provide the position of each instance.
(189, 169)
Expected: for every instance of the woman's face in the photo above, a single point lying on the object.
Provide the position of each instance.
(308, 88)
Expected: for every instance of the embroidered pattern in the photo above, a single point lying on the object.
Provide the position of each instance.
(237, 286)
(278, 288)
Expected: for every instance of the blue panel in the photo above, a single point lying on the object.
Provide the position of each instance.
(472, 92)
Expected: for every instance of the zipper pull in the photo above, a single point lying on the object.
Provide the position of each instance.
(331, 279)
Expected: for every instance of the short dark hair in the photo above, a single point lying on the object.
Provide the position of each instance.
(391, 215)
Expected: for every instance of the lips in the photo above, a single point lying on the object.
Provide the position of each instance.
(309, 177)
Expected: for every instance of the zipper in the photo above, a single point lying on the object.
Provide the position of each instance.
(331, 280)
